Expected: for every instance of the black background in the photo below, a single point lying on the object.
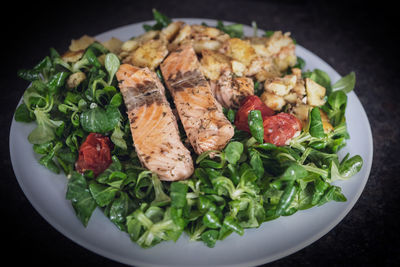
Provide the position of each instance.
(355, 36)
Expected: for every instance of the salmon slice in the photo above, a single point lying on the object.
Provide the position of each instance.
(231, 91)
(153, 126)
(202, 118)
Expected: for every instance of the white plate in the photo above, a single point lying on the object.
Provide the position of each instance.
(271, 241)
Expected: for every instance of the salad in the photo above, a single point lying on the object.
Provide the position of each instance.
(288, 126)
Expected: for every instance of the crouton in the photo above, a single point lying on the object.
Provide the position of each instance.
(315, 93)
(150, 54)
(213, 63)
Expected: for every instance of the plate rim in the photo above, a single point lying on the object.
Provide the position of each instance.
(104, 253)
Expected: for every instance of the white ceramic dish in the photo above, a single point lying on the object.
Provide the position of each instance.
(271, 241)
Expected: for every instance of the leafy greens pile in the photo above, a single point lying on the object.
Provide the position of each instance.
(246, 184)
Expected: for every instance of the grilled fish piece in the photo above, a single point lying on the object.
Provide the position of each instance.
(153, 126)
(202, 118)
(230, 91)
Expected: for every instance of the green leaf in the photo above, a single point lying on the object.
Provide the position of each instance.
(205, 204)
(321, 77)
(346, 83)
(333, 193)
(119, 210)
(22, 114)
(233, 152)
(178, 194)
(320, 186)
(44, 148)
(102, 194)
(211, 220)
(351, 166)
(233, 30)
(292, 173)
(223, 185)
(45, 130)
(300, 63)
(49, 163)
(161, 18)
(91, 57)
(211, 163)
(348, 168)
(81, 199)
(111, 64)
(256, 126)
(232, 224)
(29, 75)
(117, 137)
(210, 237)
(335, 107)
(256, 162)
(160, 198)
(98, 120)
(316, 129)
(57, 81)
(286, 199)
(230, 114)
(116, 100)
(269, 33)
(143, 185)
(162, 21)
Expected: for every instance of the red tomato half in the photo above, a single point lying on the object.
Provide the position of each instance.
(251, 102)
(94, 154)
(280, 128)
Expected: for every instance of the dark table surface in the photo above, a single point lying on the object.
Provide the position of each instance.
(350, 36)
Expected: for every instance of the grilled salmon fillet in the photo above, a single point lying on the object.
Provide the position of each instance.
(201, 115)
(230, 91)
(153, 126)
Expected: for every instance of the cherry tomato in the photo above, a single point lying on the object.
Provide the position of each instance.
(280, 128)
(94, 154)
(251, 102)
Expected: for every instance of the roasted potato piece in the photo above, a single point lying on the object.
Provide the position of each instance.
(285, 59)
(213, 64)
(297, 72)
(255, 67)
(127, 48)
(238, 68)
(171, 30)
(130, 45)
(240, 50)
(326, 124)
(284, 89)
(291, 98)
(81, 43)
(183, 34)
(277, 41)
(203, 32)
(258, 43)
(200, 45)
(75, 79)
(150, 54)
(147, 36)
(273, 101)
(301, 112)
(113, 45)
(282, 48)
(280, 86)
(265, 74)
(315, 93)
(72, 56)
